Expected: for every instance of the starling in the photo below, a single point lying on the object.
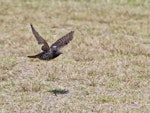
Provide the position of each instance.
(53, 51)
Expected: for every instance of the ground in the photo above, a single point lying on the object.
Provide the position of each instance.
(105, 69)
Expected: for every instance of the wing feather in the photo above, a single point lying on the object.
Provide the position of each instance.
(40, 40)
(63, 40)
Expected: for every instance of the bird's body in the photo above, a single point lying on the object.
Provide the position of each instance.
(46, 55)
(54, 50)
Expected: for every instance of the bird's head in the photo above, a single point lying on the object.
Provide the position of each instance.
(59, 52)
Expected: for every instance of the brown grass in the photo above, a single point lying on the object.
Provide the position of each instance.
(106, 68)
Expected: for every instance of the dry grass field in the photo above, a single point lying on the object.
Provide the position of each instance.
(105, 69)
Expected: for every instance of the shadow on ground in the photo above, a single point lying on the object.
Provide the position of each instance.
(59, 91)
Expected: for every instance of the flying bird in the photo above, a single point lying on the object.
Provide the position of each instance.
(53, 51)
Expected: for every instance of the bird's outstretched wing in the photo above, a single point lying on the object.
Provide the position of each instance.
(63, 41)
(40, 40)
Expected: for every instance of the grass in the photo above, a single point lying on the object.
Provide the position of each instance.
(106, 68)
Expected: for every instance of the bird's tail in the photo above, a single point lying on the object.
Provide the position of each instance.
(34, 56)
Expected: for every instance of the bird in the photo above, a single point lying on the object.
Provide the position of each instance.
(53, 51)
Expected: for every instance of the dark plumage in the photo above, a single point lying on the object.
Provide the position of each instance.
(53, 51)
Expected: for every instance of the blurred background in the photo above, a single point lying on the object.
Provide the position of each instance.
(106, 68)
